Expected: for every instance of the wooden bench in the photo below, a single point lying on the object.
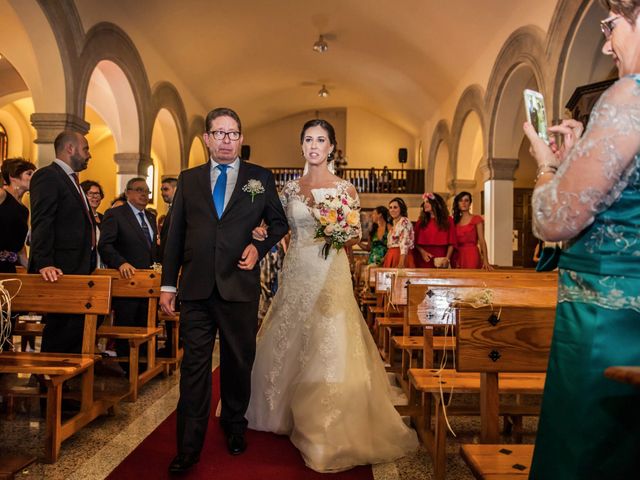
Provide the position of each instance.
(143, 284)
(71, 294)
(172, 362)
(432, 386)
(516, 344)
(438, 281)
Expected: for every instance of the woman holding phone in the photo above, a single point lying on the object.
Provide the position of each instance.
(588, 194)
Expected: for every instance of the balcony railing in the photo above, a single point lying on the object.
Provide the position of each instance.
(366, 180)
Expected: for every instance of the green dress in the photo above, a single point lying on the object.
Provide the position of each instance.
(589, 425)
(378, 249)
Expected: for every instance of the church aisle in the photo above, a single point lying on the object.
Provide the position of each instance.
(98, 448)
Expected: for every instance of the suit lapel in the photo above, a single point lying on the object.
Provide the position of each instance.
(71, 186)
(135, 223)
(204, 180)
(237, 190)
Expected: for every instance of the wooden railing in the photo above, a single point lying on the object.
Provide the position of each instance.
(366, 180)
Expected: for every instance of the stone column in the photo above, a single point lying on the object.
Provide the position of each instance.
(48, 126)
(460, 185)
(129, 165)
(498, 208)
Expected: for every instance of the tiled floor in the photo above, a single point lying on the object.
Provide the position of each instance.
(94, 451)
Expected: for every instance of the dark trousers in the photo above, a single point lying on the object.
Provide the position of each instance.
(129, 312)
(62, 333)
(236, 323)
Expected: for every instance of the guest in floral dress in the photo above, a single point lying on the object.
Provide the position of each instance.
(377, 243)
(400, 240)
(434, 233)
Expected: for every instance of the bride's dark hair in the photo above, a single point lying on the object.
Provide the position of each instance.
(331, 133)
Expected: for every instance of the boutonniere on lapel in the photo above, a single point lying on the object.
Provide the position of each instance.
(254, 187)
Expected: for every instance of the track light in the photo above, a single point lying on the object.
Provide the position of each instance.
(320, 46)
(323, 92)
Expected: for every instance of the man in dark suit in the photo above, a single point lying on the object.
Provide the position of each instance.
(127, 242)
(167, 190)
(63, 235)
(215, 209)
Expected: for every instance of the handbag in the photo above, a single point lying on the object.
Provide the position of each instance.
(549, 259)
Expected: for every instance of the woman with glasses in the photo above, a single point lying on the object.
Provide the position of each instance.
(14, 216)
(434, 233)
(587, 193)
(95, 195)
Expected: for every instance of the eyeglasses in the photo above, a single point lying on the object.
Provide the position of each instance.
(607, 25)
(220, 134)
(141, 190)
(94, 194)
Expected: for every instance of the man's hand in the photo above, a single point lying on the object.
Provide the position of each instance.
(168, 303)
(249, 258)
(51, 274)
(126, 270)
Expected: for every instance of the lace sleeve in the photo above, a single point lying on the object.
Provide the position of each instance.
(596, 170)
(286, 192)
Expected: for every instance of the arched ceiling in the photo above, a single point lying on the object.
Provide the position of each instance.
(398, 59)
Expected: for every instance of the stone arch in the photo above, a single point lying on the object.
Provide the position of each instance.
(440, 139)
(196, 129)
(523, 47)
(37, 60)
(106, 41)
(471, 100)
(578, 46)
(166, 96)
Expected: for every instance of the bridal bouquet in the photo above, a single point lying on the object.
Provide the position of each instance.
(337, 221)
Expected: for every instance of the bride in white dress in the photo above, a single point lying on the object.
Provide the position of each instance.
(318, 376)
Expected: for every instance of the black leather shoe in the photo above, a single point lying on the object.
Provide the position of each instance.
(236, 443)
(183, 462)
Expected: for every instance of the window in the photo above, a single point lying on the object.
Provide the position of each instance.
(4, 144)
(151, 181)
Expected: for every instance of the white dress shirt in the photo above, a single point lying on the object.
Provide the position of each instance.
(232, 178)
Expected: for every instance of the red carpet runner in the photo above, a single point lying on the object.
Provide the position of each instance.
(268, 456)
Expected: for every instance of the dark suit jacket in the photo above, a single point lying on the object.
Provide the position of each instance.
(208, 248)
(164, 234)
(60, 226)
(122, 239)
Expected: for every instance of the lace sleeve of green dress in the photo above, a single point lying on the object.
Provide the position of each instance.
(596, 170)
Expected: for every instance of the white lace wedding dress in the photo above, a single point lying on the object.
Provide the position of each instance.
(318, 376)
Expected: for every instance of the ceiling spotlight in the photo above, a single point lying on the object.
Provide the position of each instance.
(320, 46)
(323, 92)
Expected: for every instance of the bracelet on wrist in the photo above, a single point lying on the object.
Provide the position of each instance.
(546, 168)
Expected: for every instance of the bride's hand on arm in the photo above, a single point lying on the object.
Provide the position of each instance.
(260, 233)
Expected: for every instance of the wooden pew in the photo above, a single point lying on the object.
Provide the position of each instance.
(144, 284)
(516, 344)
(71, 294)
(438, 281)
(426, 385)
(172, 363)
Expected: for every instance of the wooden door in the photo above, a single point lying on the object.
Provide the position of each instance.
(523, 256)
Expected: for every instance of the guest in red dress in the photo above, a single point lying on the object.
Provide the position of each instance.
(400, 239)
(471, 248)
(434, 233)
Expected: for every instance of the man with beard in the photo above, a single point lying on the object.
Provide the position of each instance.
(63, 233)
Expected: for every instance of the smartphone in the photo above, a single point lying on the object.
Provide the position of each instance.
(536, 113)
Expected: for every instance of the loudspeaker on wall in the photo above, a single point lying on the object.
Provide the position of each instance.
(402, 155)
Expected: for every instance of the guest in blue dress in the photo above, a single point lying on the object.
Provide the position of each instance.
(588, 194)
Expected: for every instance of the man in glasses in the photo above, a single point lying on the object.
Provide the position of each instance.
(127, 242)
(215, 209)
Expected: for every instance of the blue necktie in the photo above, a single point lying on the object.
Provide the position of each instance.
(219, 189)
(145, 228)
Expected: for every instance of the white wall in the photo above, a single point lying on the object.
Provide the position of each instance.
(374, 141)
(277, 143)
